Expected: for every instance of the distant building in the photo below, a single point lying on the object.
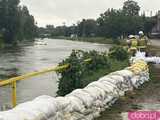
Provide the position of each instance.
(156, 29)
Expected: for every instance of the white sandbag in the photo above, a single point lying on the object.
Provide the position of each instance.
(79, 93)
(59, 116)
(46, 107)
(100, 85)
(76, 116)
(95, 92)
(110, 88)
(119, 81)
(109, 82)
(82, 104)
(106, 78)
(43, 97)
(142, 56)
(9, 115)
(109, 100)
(62, 102)
(114, 85)
(127, 75)
(124, 73)
(75, 104)
(23, 115)
(135, 81)
(115, 79)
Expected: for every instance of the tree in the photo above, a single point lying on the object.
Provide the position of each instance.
(149, 23)
(9, 22)
(131, 8)
(111, 23)
(28, 28)
(87, 28)
(16, 23)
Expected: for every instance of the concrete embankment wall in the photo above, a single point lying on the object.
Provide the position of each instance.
(82, 104)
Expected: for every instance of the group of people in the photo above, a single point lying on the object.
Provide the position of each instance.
(138, 43)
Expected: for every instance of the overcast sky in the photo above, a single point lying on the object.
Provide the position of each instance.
(70, 11)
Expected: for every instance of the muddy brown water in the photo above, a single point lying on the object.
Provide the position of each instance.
(147, 97)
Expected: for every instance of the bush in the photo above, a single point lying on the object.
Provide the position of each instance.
(118, 53)
(71, 78)
(116, 41)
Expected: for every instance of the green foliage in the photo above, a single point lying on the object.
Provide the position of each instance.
(116, 23)
(16, 23)
(1, 41)
(116, 41)
(149, 22)
(118, 53)
(9, 19)
(82, 72)
(87, 28)
(131, 8)
(71, 78)
(113, 23)
(27, 27)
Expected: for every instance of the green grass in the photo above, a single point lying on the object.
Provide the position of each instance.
(101, 40)
(96, 40)
(1, 43)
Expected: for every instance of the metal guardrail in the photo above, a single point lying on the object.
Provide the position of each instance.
(13, 81)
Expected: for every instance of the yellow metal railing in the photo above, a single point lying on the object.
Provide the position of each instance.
(13, 81)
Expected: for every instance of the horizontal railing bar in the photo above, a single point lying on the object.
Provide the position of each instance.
(35, 73)
(32, 74)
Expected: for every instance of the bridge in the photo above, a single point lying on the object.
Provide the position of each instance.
(85, 103)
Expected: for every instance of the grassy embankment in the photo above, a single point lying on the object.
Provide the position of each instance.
(101, 40)
(1, 43)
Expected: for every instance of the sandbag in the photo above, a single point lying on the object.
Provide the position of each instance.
(75, 104)
(95, 92)
(79, 93)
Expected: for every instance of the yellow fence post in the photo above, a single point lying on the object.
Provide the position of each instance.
(14, 96)
(12, 81)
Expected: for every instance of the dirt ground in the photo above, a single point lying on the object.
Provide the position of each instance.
(147, 97)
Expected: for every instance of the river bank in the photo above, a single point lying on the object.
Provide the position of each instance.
(100, 40)
(146, 97)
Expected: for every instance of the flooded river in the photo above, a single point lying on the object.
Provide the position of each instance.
(35, 56)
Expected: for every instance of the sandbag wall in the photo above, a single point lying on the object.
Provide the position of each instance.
(142, 56)
(82, 104)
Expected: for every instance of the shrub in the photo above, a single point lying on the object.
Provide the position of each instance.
(71, 78)
(119, 53)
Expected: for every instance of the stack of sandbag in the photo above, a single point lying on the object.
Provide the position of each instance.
(41, 108)
(82, 104)
(142, 56)
(155, 60)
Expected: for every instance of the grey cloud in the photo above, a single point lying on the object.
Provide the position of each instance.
(69, 11)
